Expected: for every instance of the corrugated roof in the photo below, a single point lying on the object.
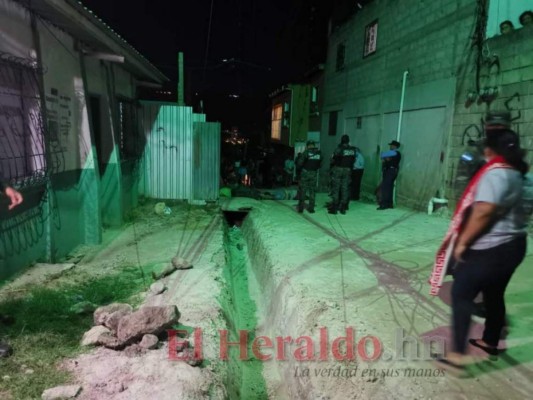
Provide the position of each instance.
(75, 18)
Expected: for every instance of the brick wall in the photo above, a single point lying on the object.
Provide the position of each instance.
(432, 39)
(514, 82)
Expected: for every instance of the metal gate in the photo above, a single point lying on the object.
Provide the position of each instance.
(182, 156)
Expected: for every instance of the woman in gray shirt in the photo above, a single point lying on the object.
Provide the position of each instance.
(490, 245)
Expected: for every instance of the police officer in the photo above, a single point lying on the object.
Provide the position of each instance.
(390, 167)
(343, 160)
(310, 164)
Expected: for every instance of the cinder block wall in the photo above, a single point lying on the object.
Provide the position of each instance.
(514, 82)
(433, 41)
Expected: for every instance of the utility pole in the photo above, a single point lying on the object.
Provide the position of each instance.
(181, 96)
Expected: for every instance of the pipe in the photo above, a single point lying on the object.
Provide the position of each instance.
(435, 200)
(400, 117)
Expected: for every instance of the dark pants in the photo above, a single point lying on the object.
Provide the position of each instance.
(307, 185)
(357, 175)
(341, 188)
(486, 271)
(387, 187)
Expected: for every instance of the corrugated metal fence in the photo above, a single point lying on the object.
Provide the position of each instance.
(206, 160)
(182, 155)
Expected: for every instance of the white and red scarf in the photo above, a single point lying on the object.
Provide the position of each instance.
(445, 251)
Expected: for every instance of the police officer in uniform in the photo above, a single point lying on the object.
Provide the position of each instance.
(343, 160)
(390, 168)
(310, 164)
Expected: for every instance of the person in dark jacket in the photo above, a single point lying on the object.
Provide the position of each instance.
(15, 198)
(343, 160)
(309, 164)
(390, 167)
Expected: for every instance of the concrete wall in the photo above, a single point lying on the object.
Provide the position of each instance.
(72, 208)
(514, 83)
(432, 40)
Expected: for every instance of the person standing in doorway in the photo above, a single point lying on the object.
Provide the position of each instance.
(343, 160)
(390, 167)
(309, 164)
(357, 174)
(15, 199)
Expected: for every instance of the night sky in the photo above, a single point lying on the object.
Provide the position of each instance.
(267, 44)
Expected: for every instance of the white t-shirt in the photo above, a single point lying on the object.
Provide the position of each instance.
(512, 193)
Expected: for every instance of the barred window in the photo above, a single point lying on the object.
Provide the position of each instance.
(371, 38)
(22, 149)
(130, 140)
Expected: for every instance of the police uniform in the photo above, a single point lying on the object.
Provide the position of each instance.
(390, 168)
(343, 159)
(310, 163)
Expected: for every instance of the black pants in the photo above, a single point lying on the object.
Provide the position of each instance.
(387, 186)
(487, 271)
(357, 175)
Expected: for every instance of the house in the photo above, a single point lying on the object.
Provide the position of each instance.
(425, 74)
(74, 135)
(296, 110)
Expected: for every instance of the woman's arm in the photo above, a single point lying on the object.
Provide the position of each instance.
(482, 216)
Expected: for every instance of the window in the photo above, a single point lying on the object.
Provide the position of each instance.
(277, 113)
(332, 128)
(131, 145)
(22, 149)
(505, 10)
(341, 51)
(371, 38)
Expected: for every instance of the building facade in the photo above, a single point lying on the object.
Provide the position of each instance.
(296, 110)
(425, 74)
(69, 138)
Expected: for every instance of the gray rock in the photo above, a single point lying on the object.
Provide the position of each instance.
(113, 320)
(110, 341)
(157, 288)
(149, 342)
(93, 336)
(146, 320)
(111, 314)
(168, 270)
(61, 392)
(180, 263)
(84, 307)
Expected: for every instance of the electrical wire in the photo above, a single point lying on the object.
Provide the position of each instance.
(208, 38)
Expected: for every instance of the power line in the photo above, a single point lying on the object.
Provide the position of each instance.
(208, 37)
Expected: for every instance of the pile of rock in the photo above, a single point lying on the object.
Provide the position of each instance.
(118, 327)
(177, 263)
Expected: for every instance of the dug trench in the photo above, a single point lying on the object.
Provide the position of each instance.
(245, 375)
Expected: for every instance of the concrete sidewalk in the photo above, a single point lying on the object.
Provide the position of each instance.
(368, 270)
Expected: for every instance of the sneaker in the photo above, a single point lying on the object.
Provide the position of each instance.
(332, 211)
(311, 210)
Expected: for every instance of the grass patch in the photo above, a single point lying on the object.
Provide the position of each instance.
(45, 330)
